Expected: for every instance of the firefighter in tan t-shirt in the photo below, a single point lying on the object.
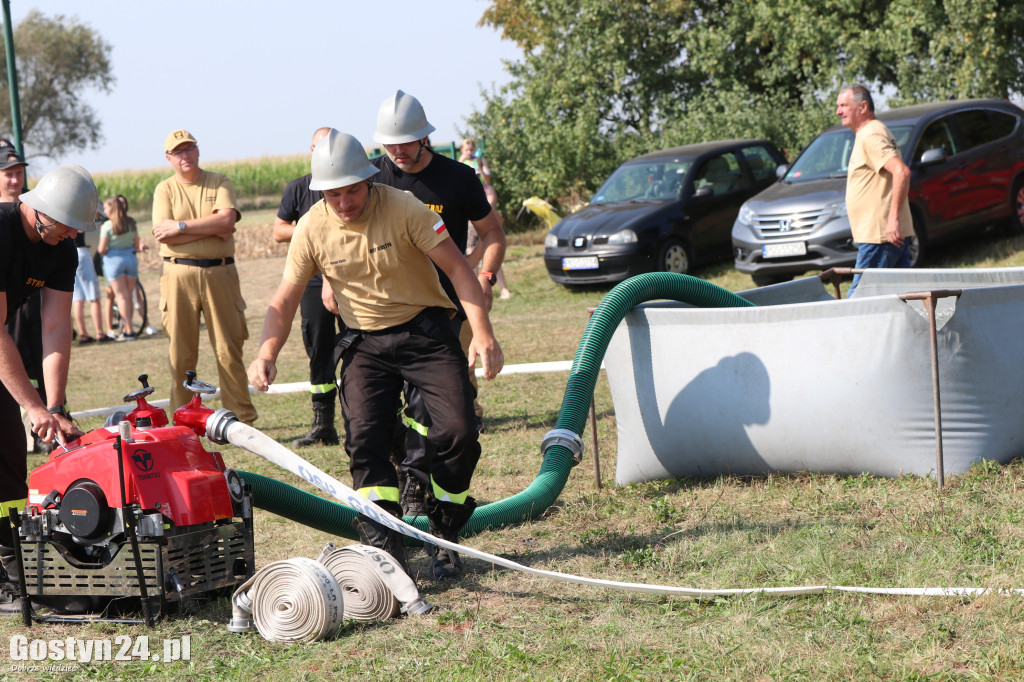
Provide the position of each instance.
(375, 246)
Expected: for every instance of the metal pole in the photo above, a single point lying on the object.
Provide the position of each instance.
(929, 304)
(12, 79)
(593, 427)
(929, 298)
(593, 432)
(837, 275)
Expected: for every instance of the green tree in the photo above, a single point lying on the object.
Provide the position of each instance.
(597, 78)
(600, 82)
(57, 59)
(942, 49)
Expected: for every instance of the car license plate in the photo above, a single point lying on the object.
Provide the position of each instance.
(784, 249)
(580, 263)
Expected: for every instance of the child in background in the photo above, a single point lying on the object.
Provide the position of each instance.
(87, 288)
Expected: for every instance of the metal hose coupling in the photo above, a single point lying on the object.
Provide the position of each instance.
(567, 439)
(241, 612)
(217, 425)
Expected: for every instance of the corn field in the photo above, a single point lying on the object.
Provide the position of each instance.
(258, 184)
(253, 178)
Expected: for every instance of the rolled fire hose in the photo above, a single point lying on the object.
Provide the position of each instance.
(375, 587)
(295, 600)
(302, 600)
(562, 448)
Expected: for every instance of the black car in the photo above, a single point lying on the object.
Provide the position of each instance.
(668, 210)
(966, 161)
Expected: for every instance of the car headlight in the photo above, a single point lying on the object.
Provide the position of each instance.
(623, 237)
(839, 209)
(747, 215)
(550, 240)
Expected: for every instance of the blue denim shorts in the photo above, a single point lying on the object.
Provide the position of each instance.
(120, 263)
(87, 286)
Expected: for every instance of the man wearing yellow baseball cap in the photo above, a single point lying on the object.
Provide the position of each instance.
(194, 216)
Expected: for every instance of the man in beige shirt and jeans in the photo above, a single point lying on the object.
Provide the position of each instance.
(194, 216)
(877, 185)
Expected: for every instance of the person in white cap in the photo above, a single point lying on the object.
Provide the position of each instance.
(37, 254)
(376, 248)
(452, 190)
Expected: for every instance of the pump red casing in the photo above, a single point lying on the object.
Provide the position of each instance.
(165, 469)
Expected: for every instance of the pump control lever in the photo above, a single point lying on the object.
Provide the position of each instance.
(197, 387)
(140, 392)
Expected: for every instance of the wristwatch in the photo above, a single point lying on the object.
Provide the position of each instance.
(59, 410)
(181, 225)
(491, 277)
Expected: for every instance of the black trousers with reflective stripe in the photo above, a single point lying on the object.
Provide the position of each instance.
(372, 376)
(320, 328)
(418, 450)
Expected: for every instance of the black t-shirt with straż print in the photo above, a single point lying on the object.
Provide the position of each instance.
(27, 267)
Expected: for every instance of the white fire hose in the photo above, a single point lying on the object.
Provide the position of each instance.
(223, 427)
(295, 600)
(375, 587)
(302, 600)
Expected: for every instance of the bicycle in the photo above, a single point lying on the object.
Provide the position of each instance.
(140, 310)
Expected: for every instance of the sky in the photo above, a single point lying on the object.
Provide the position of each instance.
(252, 79)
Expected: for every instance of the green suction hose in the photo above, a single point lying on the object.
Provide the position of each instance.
(331, 517)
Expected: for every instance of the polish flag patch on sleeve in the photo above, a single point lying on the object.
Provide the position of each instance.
(439, 226)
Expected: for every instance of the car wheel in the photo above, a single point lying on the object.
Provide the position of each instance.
(917, 247)
(766, 280)
(674, 256)
(1016, 219)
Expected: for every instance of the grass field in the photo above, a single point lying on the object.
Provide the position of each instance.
(717, 533)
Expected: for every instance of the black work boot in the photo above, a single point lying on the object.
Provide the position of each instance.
(413, 493)
(10, 591)
(379, 536)
(323, 430)
(446, 518)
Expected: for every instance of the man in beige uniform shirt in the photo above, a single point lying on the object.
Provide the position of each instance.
(194, 216)
(376, 247)
(877, 186)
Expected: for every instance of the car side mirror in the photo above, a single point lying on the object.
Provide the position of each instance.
(932, 157)
(781, 171)
(703, 193)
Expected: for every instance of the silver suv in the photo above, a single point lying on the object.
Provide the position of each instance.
(967, 171)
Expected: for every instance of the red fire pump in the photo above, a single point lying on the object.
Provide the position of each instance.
(137, 509)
